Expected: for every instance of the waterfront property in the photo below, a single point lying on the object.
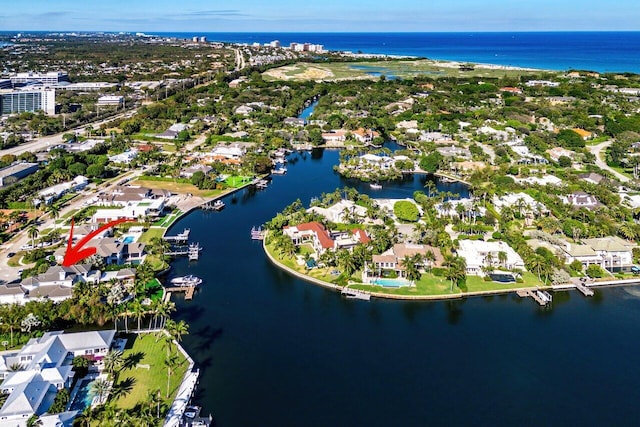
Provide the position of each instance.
(391, 262)
(46, 368)
(481, 255)
(321, 239)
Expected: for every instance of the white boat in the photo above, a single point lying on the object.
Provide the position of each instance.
(280, 171)
(189, 280)
(375, 186)
(218, 204)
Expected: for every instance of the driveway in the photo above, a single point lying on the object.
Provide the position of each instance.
(596, 150)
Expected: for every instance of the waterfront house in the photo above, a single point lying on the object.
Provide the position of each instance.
(392, 260)
(46, 368)
(335, 137)
(616, 253)
(480, 255)
(322, 239)
(365, 136)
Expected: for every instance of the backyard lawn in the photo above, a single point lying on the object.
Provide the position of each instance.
(154, 378)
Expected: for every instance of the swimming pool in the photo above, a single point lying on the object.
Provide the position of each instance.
(83, 397)
(128, 239)
(391, 283)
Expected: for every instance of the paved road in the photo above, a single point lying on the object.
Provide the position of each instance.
(8, 273)
(596, 150)
(42, 143)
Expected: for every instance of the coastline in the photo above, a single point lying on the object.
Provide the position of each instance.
(446, 297)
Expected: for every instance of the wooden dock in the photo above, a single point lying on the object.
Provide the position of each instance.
(189, 291)
(541, 297)
(584, 289)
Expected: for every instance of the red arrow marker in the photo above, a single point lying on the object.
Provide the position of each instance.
(76, 254)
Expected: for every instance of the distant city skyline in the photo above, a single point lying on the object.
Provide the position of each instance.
(325, 16)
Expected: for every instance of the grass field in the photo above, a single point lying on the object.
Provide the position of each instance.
(151, 233)
(152, 379)
(391, 69)
(237, 181)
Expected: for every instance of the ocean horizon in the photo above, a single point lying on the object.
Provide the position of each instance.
(601, 51)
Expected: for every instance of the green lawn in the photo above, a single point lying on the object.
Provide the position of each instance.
(238, 181)
(155, 378)
(151, 233)
(154, 290)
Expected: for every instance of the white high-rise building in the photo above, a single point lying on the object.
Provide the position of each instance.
(29, 100)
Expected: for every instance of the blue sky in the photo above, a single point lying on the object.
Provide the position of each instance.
(323, 15)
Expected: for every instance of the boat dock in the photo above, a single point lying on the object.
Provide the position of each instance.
(257, 233)
(192, 251)
(189, 291)
(355, 294)
(584, 289)
(218, 205)
(541, 297)
(180, 238)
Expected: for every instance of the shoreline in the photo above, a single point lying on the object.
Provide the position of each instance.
(205, 200)
(446, 297)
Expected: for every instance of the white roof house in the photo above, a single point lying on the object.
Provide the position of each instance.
(229, 152)
(479, 254)
(125, 157)
(47, 368)
(514, 200)
(337, 212)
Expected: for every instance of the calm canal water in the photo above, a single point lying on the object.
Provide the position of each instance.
(276, 351)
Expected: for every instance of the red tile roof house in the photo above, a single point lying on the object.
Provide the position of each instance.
(321, 239)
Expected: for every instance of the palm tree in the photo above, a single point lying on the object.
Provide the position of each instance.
(80, 365)
(87, 416)
(113, 362)
(537, 264)
(171, 363)
(54, 212)
(177, 330)
(138, 310)
(502, 258)
(410, 269)
(430, 257)
(33, 233)
(100, 388)
(456, 271)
